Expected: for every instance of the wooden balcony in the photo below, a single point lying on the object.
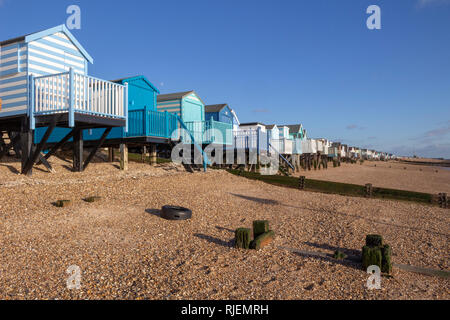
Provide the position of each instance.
(77, 98)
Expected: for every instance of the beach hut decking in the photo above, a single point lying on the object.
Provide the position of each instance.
(44, 82)
(146, 125)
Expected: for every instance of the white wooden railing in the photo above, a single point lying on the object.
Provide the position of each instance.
(250, 139)
(283, 145)
(72, 92)
(288, 146)
(51, 93)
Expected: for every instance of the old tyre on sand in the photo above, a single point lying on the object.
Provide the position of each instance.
(175, 213)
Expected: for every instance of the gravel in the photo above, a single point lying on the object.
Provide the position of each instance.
(126, 251)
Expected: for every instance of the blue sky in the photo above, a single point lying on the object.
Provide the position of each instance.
(308, 61)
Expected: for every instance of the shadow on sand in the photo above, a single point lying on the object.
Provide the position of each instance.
(214, 240)
(155, 212)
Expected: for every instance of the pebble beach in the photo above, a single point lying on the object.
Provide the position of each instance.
(125, 250)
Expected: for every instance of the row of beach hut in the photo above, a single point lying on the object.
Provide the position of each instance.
(48, 101)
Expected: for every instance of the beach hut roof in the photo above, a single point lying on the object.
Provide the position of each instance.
(47, 32)
(293, 128)
(252, 124)
(177, 96)
(215, 107)
(134, 78)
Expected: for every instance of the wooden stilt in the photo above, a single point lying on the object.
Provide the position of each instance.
(144, 154)
(78, 151)
(110, 154)
(123, 157)
(14, 142)
(153, 155)
(55, 148)
(36, 151)
(258, 163)
(46, 163)
(15, 136)
(26, 139)
(247, 157)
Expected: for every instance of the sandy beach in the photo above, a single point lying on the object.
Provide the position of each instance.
(390, 174)
(126, 251)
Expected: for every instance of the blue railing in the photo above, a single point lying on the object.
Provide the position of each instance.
(192, 140)
(210, 132)
(149, 123)
(141, 123)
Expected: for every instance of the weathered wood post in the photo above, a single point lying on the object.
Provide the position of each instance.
(110, 154)
(242, 238)
(78, 151)
(292, 159)
(443, 200)
(247, 165)
(144, 154)
(153, 155)
(301, 183)
(123, 157)
(26, 143)
(369, 190)
(258, 149)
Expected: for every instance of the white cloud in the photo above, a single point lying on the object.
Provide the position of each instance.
(434, 134)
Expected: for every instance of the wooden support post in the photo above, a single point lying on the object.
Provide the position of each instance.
(443, 200)
(78, 151)
(58, 145)
(110, 154)
(153, 155)
(2, 141)
(248, 166)
(14, 143)
(369, 190)
(45, 163)
(301, 182)
(144, 154)
(15, 136)
(36, 151)
(123, 157)
(258, 163)
(26, 139)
